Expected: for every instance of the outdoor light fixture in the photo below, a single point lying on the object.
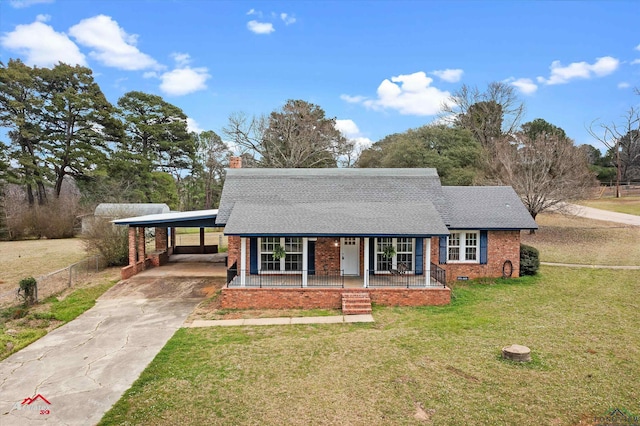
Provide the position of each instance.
(335, 243)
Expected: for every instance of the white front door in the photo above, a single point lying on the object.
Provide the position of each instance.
(350, 255)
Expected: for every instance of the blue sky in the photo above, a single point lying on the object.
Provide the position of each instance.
(379, 67)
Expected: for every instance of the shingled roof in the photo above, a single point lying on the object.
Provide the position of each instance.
(361, 202)
(340, 202)
(486, 207)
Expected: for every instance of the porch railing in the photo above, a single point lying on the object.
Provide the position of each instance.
(437, 279)
(438, 275)
(321, 279)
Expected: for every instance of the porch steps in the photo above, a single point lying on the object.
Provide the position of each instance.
(356, 303)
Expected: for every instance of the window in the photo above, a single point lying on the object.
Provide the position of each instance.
(292, 260)
(463, 247)
(404, 253)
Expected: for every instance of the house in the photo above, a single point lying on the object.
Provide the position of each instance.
(298, 237)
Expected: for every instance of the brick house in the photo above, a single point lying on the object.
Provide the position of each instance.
(298, 237)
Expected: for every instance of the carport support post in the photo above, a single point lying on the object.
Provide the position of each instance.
(427, 261)
(132, 245)
(305, 260)
(243, 261)
(142, 253)
(173, 239)
(366, 262)
(201, 240)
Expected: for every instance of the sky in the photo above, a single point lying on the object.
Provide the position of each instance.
(378, 67)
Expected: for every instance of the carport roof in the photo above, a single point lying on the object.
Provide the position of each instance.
(193, 219)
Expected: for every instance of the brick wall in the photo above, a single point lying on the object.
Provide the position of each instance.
(501, 246)
(289, 298)
(327, 254)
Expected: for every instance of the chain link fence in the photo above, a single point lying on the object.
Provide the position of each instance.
(57, 281)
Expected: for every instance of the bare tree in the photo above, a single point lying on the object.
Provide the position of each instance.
(623, 139)
(488, 114)
(297, 135)
(546, 172)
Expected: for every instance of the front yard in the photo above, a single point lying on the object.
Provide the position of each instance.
(436, 364)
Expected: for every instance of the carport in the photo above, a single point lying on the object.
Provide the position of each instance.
(140, 260)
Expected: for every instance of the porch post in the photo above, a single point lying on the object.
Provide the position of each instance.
(427, 260)
(243, 261)
(366, 262)
(305, 260)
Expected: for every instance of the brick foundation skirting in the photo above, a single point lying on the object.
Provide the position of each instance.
(298, 298)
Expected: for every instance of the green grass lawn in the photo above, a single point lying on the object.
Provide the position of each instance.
(629, 205)
(441, 364)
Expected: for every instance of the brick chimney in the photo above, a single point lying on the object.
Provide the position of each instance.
(235, 162)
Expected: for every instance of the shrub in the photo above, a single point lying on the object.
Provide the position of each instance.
(109, 240)
(529, 260)
(28, 290)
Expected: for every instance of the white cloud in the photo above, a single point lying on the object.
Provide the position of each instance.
(525, 85)
(352, 99)
(561, 75)
(19, 4)
(260, 27)
(150, 74)
(638, 47)
(409, 94)
(182, 81)
(623, 85)
(449, 75)
(41, 45)
(287, 19)
(193, 126)
(635, 62)
(112, 46)
(252, 12)
(43, 18)
(182, 59)
(347, 127)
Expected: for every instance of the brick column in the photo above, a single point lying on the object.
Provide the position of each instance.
(132, 245)
(162, 241)
(142, 252)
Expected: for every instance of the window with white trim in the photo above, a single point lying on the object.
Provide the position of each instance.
(463, 246)
(404, 253)
(292, 261)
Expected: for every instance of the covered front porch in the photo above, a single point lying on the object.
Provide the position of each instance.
(333, 262)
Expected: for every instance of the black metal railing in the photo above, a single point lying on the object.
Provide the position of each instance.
(401, 280)
(324, 279)
(438, 275)
(232, 272)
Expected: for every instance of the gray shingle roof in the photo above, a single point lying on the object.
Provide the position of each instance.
(486, 207)
(362, 202)
(336, 218)
(370, 200)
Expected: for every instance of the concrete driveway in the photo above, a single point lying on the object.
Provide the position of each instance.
(77, 372)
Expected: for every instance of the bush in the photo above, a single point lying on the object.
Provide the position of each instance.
(529, 260)
(28, 290)
(109, 240)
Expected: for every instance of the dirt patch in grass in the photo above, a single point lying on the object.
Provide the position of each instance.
(569, 239)
(33, 258)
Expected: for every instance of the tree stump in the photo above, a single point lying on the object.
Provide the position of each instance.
(517, 353)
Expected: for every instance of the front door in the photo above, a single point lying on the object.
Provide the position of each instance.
(350, 255)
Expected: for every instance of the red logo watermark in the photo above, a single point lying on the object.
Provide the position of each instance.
(37, 403)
